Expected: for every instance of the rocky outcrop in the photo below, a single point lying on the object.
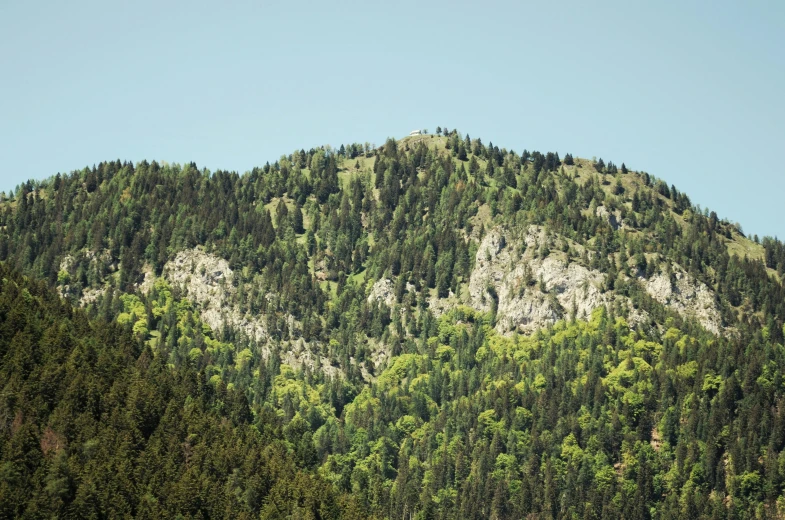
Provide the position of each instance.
(534, 289)
(67, 263)
(207, 280)
(612, 217)
(147, 282)
(440, 306)
(90, 296)
(382, 291)
(686, 295)
(300, 353)
(100, 261)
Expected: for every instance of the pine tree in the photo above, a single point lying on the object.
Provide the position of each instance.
(462, 152)
(474, 166)
(297, 220)
(281, 213)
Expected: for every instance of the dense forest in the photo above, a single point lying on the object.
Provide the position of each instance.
(96, 424)
(345, 372)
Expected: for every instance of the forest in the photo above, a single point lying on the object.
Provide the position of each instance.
(346, 374)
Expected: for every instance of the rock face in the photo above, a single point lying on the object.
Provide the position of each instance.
(531, 292)
(147, 283)
(207, 280)
(686, 296)
(613, 218)
(382, 291)
(90, 296)
(89, 259)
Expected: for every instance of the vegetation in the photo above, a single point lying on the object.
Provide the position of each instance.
(96, 424)
(135, 406)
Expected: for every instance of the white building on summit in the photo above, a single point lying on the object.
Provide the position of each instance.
(415, 132)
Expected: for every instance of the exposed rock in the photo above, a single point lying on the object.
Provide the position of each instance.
(439, 306)
(299, 354)
(613, 218)
(321, 268)
(380, 354)
(685, 295)
(207, 280)
(87, 259)
(147, 284)
(104, 257)
(531, 292)
(67, 263)
(383, 290)
(478, 221)
(90, 296)
(364, 372)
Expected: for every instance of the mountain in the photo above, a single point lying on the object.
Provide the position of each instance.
(434, 328)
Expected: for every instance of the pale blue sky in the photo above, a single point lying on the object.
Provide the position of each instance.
(688, 91)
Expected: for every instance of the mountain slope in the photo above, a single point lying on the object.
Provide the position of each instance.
(437, 321)
(94, 424)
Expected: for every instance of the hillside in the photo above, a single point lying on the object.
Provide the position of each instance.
(95, 424)
(436, 327)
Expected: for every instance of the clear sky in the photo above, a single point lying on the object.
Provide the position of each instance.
(691, 92)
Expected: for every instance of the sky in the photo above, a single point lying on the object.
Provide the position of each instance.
(691, 92)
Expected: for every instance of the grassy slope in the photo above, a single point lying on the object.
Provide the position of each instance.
(583, 171)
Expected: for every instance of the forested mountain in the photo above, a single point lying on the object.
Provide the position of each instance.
(434, 328)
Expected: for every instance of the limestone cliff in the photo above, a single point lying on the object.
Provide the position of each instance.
(531, 287)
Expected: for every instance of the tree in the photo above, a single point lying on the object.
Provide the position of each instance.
(489, 169)
(462, 152)
(281, 213)
(478, 148)
(474, 166)
(391, 148)
(297, 219)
